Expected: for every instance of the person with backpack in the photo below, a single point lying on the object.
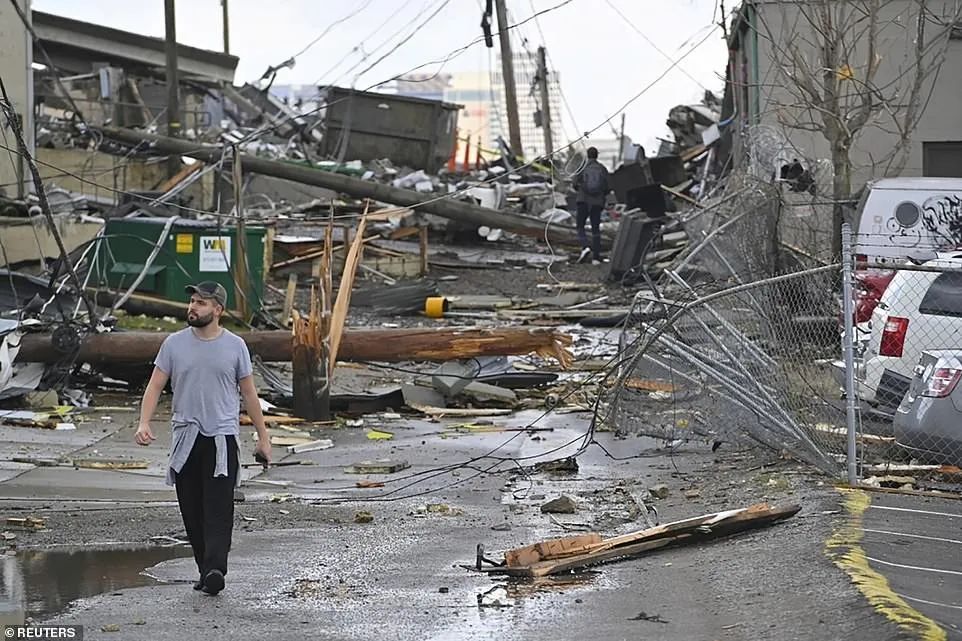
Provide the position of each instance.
(592, 186)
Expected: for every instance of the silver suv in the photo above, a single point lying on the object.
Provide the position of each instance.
(928, 422)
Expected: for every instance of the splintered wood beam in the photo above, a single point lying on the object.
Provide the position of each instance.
(311, 381)
(343, 301)
(386, 345)
(564, 555)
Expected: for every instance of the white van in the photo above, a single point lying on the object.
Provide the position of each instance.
(909, 218)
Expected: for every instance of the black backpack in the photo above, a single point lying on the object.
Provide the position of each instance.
(594, 180)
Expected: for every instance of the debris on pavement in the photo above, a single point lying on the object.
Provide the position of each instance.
(563, 555)
(660, 491)
(561, 505)
(382, 466)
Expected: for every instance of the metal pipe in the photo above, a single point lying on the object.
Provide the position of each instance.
(848, 352)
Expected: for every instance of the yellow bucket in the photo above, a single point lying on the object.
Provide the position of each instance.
(435, 306)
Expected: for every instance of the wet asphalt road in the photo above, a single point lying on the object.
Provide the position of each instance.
(916, 543)
(400, 577)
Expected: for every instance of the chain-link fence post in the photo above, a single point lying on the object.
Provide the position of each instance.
(848, 351)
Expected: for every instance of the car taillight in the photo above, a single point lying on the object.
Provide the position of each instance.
(893, 337)
(942, 382)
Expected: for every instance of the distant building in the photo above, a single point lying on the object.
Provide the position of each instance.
(529, 103)
(485, 116)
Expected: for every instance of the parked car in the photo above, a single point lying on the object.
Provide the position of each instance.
(920, 310)
(928, 422)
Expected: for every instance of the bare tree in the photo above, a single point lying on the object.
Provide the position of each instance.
(850, 67)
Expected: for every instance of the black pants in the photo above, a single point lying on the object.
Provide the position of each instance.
(207, 503)
(586, 211)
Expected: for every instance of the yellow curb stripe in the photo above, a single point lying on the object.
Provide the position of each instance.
(844, 548)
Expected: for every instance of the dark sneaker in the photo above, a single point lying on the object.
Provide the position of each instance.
(584, 254)
(213, 582)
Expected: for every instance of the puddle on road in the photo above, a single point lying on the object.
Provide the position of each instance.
(41, 583)
(513, 592)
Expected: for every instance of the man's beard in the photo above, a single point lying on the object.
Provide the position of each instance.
(200, 321)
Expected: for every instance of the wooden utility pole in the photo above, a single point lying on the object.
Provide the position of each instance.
(507, 71)
(223, 4)
(545, 102)
(240, 265)
(388, 345)
(621, 142)
(173, 95)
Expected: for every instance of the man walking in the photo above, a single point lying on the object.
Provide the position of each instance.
(205, 364)
(592, 186)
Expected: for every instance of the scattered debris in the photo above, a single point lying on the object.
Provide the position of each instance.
(91, 463)
(563, 555)
(567, 465)
(312, 446)
(560, 505)
(643, 616)
(660, 491)
(27, 522)
(381, 466)
(363, 517)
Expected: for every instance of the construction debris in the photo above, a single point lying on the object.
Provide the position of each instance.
(564, 555)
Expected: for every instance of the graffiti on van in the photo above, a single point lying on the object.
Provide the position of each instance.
(903, 236)
(942, 218)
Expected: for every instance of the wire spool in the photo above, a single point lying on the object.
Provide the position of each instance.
(435, 306)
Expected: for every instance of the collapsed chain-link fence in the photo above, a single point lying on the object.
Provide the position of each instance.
(720, 350)
(748, 361)
(738, 340)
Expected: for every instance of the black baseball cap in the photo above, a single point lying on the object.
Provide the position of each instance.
(209, 289)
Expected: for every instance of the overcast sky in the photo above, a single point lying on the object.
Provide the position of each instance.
(601, 59)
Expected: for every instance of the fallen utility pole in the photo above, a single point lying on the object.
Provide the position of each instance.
(385, 345)
(429, 203)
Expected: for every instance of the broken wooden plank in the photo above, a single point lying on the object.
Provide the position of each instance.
(552, 549)
(26, 522)
(384, 466)
(456, 411)
(311, 446)
(704, 527)
(109, 464)
(289, 299)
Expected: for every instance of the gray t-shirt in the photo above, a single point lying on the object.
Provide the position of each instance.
(204, 375)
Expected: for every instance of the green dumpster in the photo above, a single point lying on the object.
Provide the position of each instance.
(192, 251)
